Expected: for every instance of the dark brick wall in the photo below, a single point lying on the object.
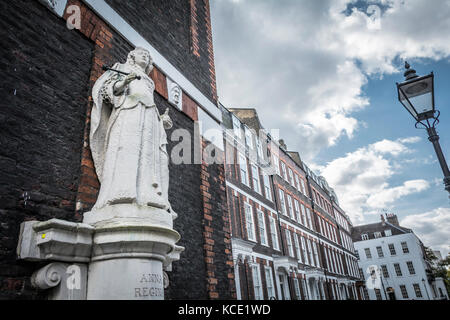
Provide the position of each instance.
(44, 131)
(217, 232)
(167, 26)
(44, 93)
(188, 278)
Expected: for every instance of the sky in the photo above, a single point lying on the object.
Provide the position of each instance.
(324, 73)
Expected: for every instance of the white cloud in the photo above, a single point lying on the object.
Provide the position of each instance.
(361, 178)
(432, 227)
(309, 60)
(388, 196)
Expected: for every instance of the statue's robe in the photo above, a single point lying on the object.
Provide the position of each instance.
(128, 142)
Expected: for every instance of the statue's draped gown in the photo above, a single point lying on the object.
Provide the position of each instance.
(128, 142)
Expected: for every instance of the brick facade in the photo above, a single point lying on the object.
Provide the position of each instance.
(47, 167)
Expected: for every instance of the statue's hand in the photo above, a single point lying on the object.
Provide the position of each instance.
(167, 122)
(166, 113)
(132, 76)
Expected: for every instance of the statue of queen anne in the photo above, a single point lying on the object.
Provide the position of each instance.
(128, 138)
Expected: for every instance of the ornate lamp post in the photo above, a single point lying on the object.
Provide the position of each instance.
(416, 94)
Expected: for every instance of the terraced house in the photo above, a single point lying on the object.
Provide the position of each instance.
(290, 238)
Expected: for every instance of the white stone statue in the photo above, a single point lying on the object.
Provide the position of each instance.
(127, 138)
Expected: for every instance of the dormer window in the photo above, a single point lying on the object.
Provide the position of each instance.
(365, 236)
(377, 234)
(388, 233)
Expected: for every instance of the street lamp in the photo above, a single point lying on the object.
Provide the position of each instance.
(416, 94)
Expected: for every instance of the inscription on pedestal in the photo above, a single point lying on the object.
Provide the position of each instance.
(150, 285)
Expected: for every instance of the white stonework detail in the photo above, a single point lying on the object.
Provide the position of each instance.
(128, 138)
(134, 241)
(128, 32)
(175, 94)
(63, 281)
(55, 240)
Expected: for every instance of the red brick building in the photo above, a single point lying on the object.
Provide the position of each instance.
(286, 223)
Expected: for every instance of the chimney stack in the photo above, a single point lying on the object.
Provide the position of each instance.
(282, 144)
(382, 220)
(392, 219)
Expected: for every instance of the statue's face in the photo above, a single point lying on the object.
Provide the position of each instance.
(142, 58)
(176, 94)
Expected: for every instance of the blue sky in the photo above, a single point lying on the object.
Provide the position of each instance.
(324, 72)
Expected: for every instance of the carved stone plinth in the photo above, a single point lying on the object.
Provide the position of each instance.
(131, 247)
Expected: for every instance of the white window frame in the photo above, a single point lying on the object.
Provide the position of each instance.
(303, 186)
(303, 212)
(262, 227)
(297, 248)
(308, 214)
(316, 253)
(290, 207)
(392, 249)
(397, 270)
(259, 149)
(291, 177)
(380, 252)
(364, 236)
(269, 282)
(283, 171)
(257, 283)
(274, 233)
(282, 202)
(243, 169)
(267, 188)
(297, 211)
(297, 183)
(368, 253)
(248, 137)
(249, 214)
(236, 126)
(287, 233)
(305, 250)
(276, 164)
(410, 266)
(311, 255)
(404, 245)
(297, 289)
(255, 178)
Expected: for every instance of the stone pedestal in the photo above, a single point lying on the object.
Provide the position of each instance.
(131, 247)
(120, 252)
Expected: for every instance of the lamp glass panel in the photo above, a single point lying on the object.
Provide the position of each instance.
(406, 103)
(420, 94)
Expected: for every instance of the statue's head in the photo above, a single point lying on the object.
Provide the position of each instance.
(142, 58)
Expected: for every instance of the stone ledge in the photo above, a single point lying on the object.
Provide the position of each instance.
(55, 240)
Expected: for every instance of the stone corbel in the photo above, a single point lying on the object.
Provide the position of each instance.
(69, 244)
(56, 240)
(173, 256)
(64, 281)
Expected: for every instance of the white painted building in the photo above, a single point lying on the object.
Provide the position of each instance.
(391, 258)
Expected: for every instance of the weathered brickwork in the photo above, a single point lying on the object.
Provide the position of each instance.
(44, 94)
(181, 31)
(46, 165)
(217, 231)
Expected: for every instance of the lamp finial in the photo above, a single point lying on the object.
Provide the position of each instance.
(409, 73)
